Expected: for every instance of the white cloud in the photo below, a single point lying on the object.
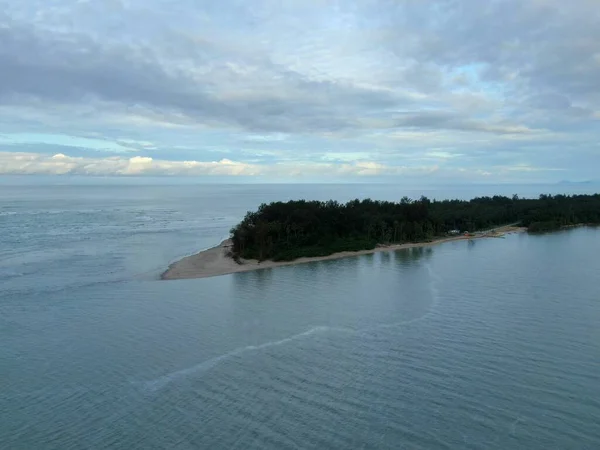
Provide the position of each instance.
(443, 154)
(60, 164)
(346, 156)
(273, 137)
(528, 168)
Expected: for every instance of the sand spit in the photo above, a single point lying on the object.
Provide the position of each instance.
(218, 261)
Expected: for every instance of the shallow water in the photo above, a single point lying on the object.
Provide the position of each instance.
(485, 344)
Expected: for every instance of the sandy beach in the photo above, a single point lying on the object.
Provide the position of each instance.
(216, 261)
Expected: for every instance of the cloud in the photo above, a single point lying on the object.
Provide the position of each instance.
(12, 163)
(533, 46)
(117, 146)
(274, 137)
(443, 154)
(61, 164)
(47, 67)
(527, 168)
(205, 81)
(357, 87)
(442, 120)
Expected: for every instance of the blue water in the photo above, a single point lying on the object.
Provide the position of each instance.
(488, 344)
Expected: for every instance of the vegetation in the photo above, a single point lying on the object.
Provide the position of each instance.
(286, 231)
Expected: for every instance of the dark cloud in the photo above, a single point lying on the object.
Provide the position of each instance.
(526, 46)
(440, 120)
(550, 101)
(43, 66)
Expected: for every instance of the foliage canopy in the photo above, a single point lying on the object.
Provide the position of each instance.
(286, 231)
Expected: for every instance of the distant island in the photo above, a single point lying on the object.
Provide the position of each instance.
(284, 233)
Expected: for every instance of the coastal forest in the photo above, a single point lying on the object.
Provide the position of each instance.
(282, 231)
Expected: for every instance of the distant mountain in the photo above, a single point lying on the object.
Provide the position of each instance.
(568, 182)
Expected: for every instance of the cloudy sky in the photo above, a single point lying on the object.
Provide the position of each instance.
(443, 90)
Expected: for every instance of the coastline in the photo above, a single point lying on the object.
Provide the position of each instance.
(215, 261)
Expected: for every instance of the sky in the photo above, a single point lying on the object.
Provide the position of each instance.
(464, 91)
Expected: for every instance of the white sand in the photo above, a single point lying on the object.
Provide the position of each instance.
(215, 261)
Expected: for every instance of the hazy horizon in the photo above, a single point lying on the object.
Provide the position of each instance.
(148, 180)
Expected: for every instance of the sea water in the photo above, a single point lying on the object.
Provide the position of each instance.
(473, 344)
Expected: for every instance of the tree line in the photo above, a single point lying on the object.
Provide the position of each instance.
(289, 230)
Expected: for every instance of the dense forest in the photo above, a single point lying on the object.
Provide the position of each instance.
(286, 231)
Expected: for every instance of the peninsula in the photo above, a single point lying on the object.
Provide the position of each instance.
(294, 232)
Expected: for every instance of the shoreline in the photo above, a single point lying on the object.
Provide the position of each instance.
(216, 261)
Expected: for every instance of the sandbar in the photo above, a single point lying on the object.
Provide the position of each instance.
(218, 260)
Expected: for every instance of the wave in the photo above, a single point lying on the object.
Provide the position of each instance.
(6, 274)
(38, 212)
(204, 366)
(140, 214)
(55, 289)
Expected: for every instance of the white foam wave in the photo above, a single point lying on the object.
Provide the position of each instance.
(10, 274)
(38, 212)
(204, 366)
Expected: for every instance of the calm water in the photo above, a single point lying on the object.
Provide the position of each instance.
(492, 344)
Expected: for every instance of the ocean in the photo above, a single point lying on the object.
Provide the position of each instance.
(487, 344)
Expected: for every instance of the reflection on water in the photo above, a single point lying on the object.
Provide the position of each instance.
(386, 257)
(253, 278)
(262, 277)
(407, 256)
